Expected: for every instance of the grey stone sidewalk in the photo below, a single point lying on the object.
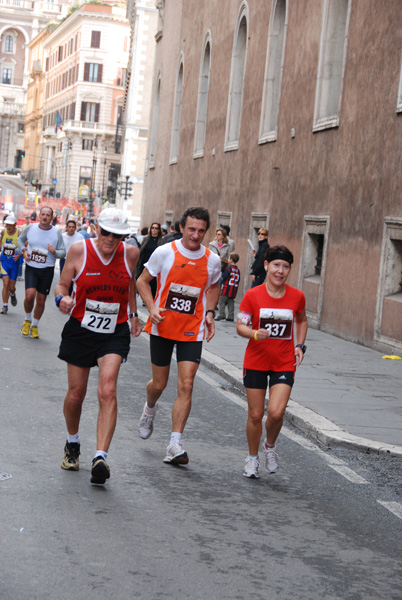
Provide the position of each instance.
(344, 394)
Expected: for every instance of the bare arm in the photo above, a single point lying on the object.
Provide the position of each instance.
(132, 255)
(72, 266)
(155, 313)
(302, 326)
(212, 300)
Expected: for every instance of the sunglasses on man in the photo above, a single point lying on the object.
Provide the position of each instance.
(107, 233)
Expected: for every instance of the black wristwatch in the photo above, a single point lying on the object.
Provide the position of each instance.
(210, 310)
(302, 347)
(58, 300)
(131, 315)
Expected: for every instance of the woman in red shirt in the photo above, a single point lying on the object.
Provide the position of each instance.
(266, 316)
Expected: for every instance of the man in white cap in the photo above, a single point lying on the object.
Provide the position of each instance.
(10, 257)
(102, 311)
(45, 245)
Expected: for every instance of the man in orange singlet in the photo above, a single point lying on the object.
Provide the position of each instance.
(98, 332)
(188, 291)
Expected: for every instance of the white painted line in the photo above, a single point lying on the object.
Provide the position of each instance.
(333, 462)
(394, 507)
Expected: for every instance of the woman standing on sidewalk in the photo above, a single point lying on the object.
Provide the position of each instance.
(266, 316)
(220, 246)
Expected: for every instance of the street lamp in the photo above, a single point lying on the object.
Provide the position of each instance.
(93, 183)
(104, 173)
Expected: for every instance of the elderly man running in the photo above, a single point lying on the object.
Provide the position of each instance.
(97, 333)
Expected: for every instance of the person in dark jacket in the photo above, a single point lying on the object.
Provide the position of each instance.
(175, 234)
(257, 268)
(149, 244)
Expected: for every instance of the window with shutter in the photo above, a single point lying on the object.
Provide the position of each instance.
(95, 39)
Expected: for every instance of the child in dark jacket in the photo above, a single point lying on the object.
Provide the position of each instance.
(230, 285)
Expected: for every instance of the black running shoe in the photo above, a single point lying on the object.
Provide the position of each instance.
(100, 470)
(70, 460)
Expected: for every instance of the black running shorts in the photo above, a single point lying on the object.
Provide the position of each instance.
(39, 279)
(258, 380)
(162, 349)
(82, 348)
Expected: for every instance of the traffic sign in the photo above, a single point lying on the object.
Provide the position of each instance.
(54, 181)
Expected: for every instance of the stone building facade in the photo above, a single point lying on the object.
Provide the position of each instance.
(288, 115)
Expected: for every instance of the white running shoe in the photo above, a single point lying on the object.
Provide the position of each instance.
(271, 458)
(146, 423)
(251, 468)
(175, 454)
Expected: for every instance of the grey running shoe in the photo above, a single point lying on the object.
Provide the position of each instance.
(70, 460)
(100, 470)
(175, 454)
(14, 300)
(146, 423)
(4, 310)
(271, 459)
(251, 468)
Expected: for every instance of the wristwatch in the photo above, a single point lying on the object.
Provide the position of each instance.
(210, 311)
(58, 300)
(131, 315)
(302, 347)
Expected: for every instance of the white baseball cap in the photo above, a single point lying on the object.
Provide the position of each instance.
(11, 220)
(114, 221)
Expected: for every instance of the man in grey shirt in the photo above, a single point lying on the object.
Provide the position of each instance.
(41, 244)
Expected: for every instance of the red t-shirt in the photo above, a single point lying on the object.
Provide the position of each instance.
(277, 315)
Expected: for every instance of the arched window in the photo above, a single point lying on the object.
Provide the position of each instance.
(154, 126)
(237, 74)
(9, 43)
(174, 145)
(331, 66)
(273, 72)
(202, 101)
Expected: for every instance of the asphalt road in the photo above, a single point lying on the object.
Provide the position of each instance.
(323, 527)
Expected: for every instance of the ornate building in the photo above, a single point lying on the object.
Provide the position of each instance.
(81, 77)
(20, 22)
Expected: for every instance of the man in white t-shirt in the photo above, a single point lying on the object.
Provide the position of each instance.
(181, 315)
(45, 244)
(70, 235)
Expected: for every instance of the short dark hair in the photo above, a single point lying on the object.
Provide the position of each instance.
(226, 228)
(49, 207)
(235, 257)
(144, 231)
(196, 212)
(176, 226)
